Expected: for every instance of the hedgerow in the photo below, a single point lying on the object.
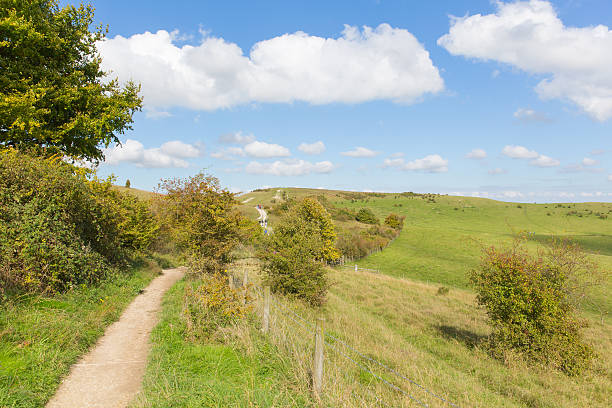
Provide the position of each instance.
(60, 226)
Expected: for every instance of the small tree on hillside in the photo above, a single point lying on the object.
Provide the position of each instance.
(201, 218)
(127, 183)
(293, 255)
(531, 302)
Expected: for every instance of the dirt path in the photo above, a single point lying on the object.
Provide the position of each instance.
(111, 374)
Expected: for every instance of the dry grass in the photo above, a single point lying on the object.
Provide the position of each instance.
(430, 338)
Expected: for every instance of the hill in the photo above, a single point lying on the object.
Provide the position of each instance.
(443, 235)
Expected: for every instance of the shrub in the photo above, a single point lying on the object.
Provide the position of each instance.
(394, 221)
(59, 229)
(127, 183)
(531, 300)
(366, 216)
(201, 217)
(212, 304)
(443, 290)
(292, 256)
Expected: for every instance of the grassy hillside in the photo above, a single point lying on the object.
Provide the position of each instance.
(443, 236)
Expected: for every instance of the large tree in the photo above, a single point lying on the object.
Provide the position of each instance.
(53, 93)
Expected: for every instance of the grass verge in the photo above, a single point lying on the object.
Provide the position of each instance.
(41, 337)
(237, 368)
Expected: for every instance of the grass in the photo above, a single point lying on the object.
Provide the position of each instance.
(41, 337)
(240, 370)
(433, 339)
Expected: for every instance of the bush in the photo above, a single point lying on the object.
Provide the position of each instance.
(201, 217)
(59, 229)
(293, 256)
(366, 216)
(394, 221)
(212, 305)
(531, 301)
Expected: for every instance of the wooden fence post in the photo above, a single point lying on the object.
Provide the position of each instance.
(230, 278)
(265, 326)
(317, 372)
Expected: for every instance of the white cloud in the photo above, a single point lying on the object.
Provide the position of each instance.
(236, 138)
(289, 167)
(360, 152)
(397, 154)
(587, 161)
(529, 115)
(497, 170)
(530, 36)
(596, 152)
(477, 154)
(177, 148)
(519, 152)
(544, 161)
(265, 150)
(609, 177)
(312, 148)
(361, 65)
(432, 163)
(153, 113)
(132, 151)
(230, 153)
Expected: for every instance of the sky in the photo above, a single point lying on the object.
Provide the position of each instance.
(510, 100)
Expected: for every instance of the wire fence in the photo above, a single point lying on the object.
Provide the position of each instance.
(353, 357)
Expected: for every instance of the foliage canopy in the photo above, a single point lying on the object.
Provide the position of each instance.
(53, 93)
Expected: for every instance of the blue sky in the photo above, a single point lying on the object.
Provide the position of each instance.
(510, 100)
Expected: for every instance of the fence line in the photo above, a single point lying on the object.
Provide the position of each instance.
(310, 328)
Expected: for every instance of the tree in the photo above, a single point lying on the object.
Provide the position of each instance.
(202, 220)
(294, 255)
(127, 183)
(53, 94)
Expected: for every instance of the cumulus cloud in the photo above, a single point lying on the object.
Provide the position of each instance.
(230, 153)
(176, 148)
(289, 167)
(519, 152)
(170, 154)
(265, 150)
(360, 65)
(432, 163)
(360, 152)
(544, 161)
(477, 154)
(529, 115)
(236, 138)
(530, 36)
(312, 148)
(587, 161)
(609, 177)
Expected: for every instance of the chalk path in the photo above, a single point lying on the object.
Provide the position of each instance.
(110, 375)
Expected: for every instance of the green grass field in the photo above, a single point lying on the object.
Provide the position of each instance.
(41, 337)
(248, 372)
(442, 240)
